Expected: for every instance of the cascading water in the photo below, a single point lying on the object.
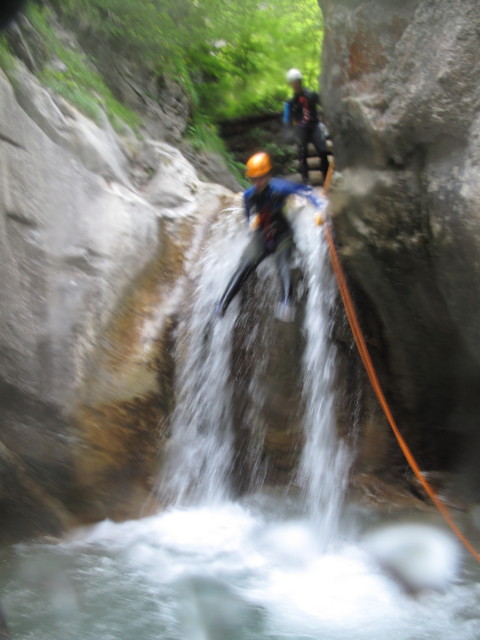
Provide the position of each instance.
(199, 456)
(324, 463)
(213, 568)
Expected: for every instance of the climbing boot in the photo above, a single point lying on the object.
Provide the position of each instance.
(219, 310)
(285, 311)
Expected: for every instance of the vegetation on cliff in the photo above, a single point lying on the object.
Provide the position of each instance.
(230, 57)
(73, 75)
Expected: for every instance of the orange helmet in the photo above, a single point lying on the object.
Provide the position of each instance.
(259, 165)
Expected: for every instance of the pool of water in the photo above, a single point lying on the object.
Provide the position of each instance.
(230, 571)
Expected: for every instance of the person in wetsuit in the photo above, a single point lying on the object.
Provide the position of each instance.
(301, 111)
(271, 233)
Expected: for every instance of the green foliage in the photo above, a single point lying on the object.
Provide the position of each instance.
(265, 39)
(7, 60)
(282, 155)
(74, 77)
(203, 135)
(231, 55)
(154, 31)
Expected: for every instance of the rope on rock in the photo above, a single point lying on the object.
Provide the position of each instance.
(375, 382)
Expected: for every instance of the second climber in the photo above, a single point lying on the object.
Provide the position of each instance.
(301, 112)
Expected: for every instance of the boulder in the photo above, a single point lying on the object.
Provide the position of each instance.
(98, 148)
(175, 181)
(211, 166)
(87, 305)
(401, 100)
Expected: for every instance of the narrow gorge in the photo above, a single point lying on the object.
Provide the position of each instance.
(169, 474)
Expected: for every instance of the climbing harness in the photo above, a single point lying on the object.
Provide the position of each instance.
(375, 382)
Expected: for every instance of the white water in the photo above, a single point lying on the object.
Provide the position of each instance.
(236, 571)
(199, 457)
(197, 464)
(325, 461)
(260, 568)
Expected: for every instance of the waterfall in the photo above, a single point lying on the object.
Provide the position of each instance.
(324, 464)
(254, 567)
(199, 456)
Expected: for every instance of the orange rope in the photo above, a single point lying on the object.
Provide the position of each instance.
(374, 381)
(329, 176)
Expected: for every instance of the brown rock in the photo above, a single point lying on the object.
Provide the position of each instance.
(122, 418)
(386, 494)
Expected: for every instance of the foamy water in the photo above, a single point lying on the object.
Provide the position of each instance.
(259, 568)
(230, 571)
(199, 458)
(325, 461)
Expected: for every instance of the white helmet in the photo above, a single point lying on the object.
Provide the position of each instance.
(294, 75)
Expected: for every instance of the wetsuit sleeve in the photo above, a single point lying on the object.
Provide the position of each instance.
(308, 193)
(293, 188)
(247, 204)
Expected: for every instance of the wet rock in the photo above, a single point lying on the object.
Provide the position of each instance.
(445, 486)
(267, 363)
(175, 181)
(88, 298)
(402, 102)
(9, 10)
(96, 147)
(385, 493)
(211, 166)
(28, 511)
(128, 396)
(4, 632)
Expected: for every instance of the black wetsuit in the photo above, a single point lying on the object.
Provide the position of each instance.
(303, 114)
(274, 236)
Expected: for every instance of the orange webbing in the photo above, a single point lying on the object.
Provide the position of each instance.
(374, 381)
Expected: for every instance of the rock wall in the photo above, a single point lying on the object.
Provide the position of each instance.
(402, 100)
(93, 231)
(163, 104)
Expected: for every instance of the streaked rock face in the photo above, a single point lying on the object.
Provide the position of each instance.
(402, 102)
(90, 265)
(95, 233)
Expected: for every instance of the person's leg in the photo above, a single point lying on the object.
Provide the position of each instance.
(285, 309)
(253, 255)
(320, 144)
(283, 257)
(302, 136)
(324, 164)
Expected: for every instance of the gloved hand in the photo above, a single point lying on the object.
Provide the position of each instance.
(255, 222)
(319, 218)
